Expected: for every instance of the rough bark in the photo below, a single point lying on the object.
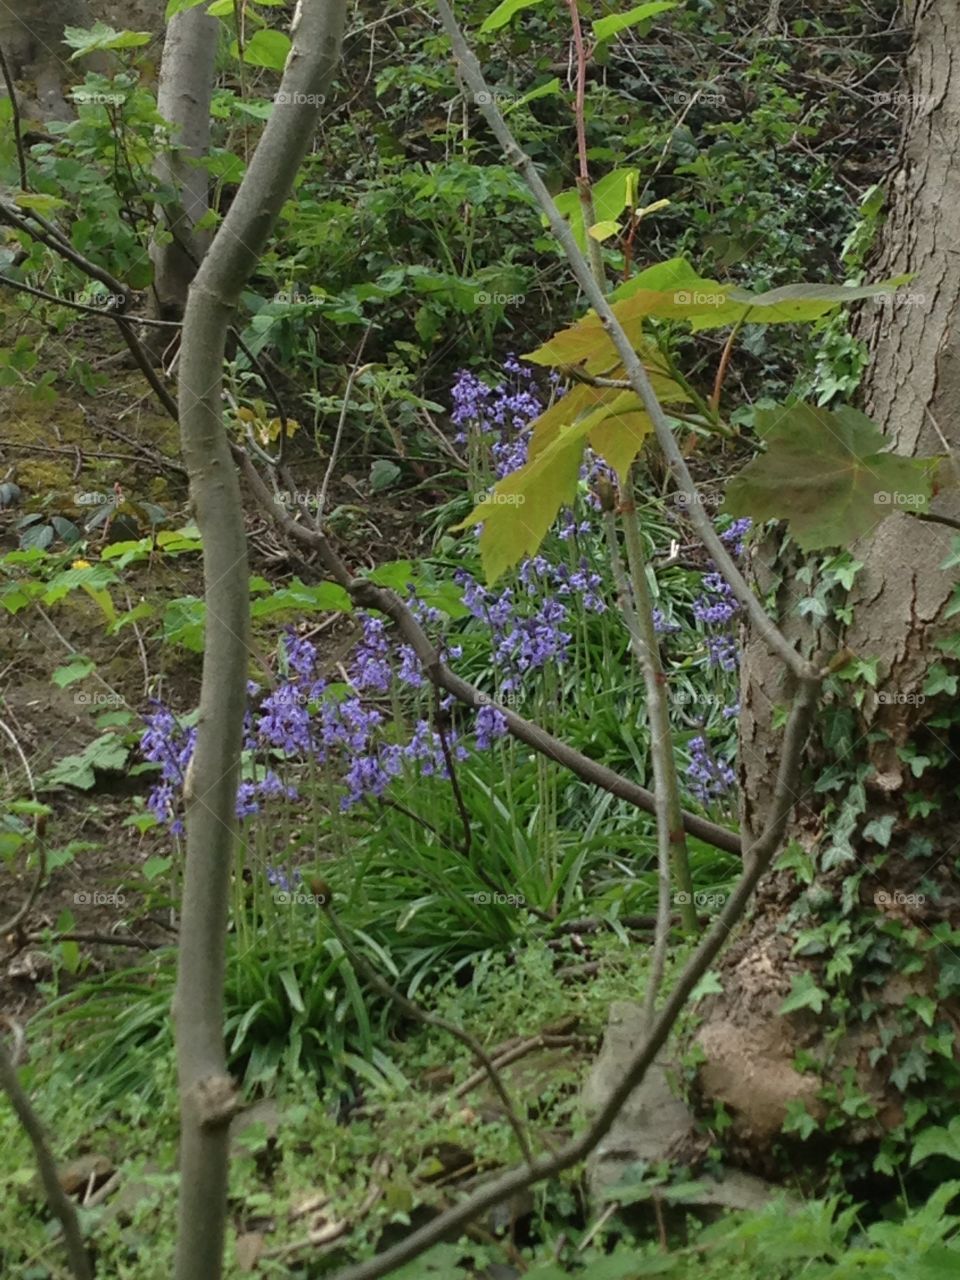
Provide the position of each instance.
(206, 1091)
(898, 604)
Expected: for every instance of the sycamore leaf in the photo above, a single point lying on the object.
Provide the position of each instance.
(827, 475)
(521, 507)
(610, 196)
(614, 23)
(618, 429)
(603, 230)
(504, 12)
(804, 302)
(672, 290)
(583, 399)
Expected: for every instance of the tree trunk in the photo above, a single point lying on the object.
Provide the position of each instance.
(183, 99)
(210, 788)
(883, 863)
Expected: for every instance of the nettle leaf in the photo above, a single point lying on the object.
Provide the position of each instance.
(504, 12)
(106, 753)
(324, 597)
(614, 23)
(826, 474)
(77, 669)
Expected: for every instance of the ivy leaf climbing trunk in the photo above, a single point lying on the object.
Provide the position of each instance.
(206, 1091)
(839, 996)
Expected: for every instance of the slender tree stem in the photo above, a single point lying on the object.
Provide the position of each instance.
(206, 1091)
(60, 1203)
(633, 365)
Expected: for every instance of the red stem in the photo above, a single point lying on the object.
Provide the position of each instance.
(581, 95)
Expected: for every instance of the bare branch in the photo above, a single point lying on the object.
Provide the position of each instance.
(386, 601)
(516, 1180)
(61, 1206)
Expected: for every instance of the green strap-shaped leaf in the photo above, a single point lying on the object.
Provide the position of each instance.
(613, 23)
(827, 475)
(504, 12)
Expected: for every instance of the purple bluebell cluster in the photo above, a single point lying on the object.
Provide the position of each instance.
(301, 718)
(527, 629)
(281, 880)
(707, 776)
(167, 743)
(717, 607)
(500, 412)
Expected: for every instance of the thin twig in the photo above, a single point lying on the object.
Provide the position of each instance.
(516, 1180)
(61, 1206)
(388, 602)
(633, 365)
(7, 925)
(15, 113)
(335, 449)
